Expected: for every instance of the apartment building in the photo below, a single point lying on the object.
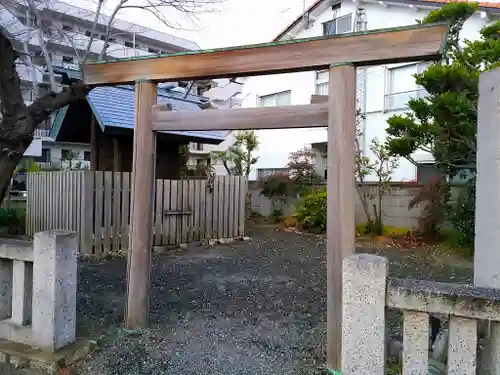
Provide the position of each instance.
(67, 31)
(382, 91)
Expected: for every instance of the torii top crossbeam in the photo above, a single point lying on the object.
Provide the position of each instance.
(383, 46)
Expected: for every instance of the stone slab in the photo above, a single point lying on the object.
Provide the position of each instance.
(45, 362)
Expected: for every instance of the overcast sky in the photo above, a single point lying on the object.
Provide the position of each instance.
(237, 22)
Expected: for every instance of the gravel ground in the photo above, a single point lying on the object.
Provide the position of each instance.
(254, 308)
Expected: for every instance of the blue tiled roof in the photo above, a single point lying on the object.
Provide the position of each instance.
(114, 106)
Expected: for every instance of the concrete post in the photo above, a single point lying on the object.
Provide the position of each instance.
(487, 215)
(54, 289)
(5, 288)
(363, 315)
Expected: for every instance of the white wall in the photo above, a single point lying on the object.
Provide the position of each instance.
(302, 86)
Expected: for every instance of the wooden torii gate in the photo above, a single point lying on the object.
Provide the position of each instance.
(341, 54)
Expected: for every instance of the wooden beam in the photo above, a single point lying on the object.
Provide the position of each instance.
(140, 242)
(315, 99)
(292, 116)
(340, 203)
(374, 47)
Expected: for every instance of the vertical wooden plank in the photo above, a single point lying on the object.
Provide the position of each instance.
(202, 193)
(216, 202)
(209, 202)
(143, 177)
(186, 208)
(221, 205)
(165, 219)
(415, 343)
(241, 201)
(173, 207)
(108, 211)
(196, 210)
(159, 213)
(462, 346)
(230, 214)
(77, 202)
(117, 201)
(99, 208)
(340, 206)
(236, 206)
(28, 207)
(87, 212)
(125, 212)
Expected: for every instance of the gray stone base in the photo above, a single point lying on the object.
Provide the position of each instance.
(34, 361)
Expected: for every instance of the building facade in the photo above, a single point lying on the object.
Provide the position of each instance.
(382, 91)
(67, 31)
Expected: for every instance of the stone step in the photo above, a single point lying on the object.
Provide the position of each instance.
(21, 359)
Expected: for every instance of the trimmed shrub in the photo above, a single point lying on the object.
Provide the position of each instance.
(13, 220)
(311, 210)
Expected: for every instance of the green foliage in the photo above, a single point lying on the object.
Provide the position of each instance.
(276, 187)
(277, 215)
(13, 220)
(434, 196)
(302, 171)
(462, 215)
(239, 158)
(445, 122)
(311, 210)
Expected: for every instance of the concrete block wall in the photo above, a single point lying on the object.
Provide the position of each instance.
(395, 211)
(38, 290)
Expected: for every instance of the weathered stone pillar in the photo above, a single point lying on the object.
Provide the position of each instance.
(363, 315)
(54, 289)
(487, 218)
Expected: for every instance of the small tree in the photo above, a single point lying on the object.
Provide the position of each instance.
(239, 159)
(302, 171)
(382, 166)
(276, 188)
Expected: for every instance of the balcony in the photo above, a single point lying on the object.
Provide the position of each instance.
(42, 133)
(400, 100)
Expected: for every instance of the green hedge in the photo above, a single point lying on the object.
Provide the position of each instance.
(311, 210)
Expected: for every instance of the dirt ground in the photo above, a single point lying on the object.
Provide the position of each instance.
(254, 307)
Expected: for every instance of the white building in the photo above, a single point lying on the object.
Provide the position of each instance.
(382, 90)
(67, 30)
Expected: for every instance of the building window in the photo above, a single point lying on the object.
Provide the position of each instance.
(338, 25)
(103, 37)
(401, 86)
(277, 99)
(199, 146)
(67, 28)
(27, 94)
(321, 82)
(68, 59)
(45, 157)
(152, 50)
(86, 155)
(199, 162)
(88, 33)
(129, 44)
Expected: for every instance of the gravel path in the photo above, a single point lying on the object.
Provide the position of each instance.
(250, 308)
(254, 308)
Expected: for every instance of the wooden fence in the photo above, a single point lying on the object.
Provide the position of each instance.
(97, 206)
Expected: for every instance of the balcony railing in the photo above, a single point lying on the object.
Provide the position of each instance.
(400, 100)
(42, 133)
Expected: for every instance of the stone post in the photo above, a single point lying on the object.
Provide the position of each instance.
(487, 215)
(363, 315)
(54, 289)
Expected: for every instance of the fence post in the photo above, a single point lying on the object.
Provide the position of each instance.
(54, 289)
(363, 314)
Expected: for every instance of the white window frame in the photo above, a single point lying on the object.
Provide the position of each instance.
(262, 98)
(321, 78)
(418, 92)
(335, 21)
